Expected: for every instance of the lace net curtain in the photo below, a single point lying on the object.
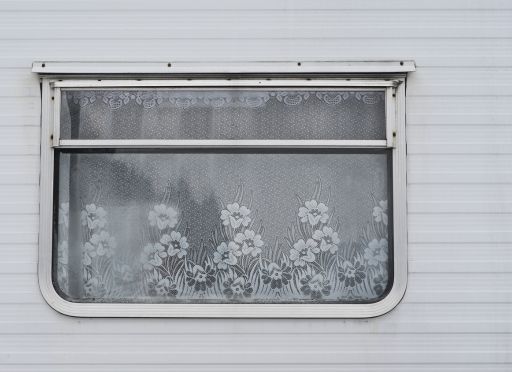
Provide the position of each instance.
(246, 225)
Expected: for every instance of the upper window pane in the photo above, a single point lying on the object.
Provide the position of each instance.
(224, 114)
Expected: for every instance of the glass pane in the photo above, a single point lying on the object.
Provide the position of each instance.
(244, 226)
(223, 114)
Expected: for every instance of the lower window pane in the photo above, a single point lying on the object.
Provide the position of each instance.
(220, 227)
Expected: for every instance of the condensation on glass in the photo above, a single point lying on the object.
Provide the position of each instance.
(223, 225)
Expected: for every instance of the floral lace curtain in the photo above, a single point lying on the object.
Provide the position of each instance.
(222, 114)
(262, 226)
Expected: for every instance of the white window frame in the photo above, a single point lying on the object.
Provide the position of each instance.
(394, 86)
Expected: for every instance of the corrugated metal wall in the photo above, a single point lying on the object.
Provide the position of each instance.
(457, 313)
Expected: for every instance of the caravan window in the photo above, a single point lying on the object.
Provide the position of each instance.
(225, 198)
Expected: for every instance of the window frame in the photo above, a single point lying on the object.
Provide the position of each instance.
(395, 139)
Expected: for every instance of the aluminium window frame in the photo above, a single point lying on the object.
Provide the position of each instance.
(395, 139)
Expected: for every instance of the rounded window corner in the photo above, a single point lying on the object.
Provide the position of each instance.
(55, 299)
(393, 297)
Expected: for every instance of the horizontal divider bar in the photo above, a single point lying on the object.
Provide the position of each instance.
(158, 143)
(231, 83)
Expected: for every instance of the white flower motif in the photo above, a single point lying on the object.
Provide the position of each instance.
(64, 214)
(183, 101)
(93, 217)
(101, 244)
(369, 98)
(333, 98)
(163, 217)
(250, 242)
(116, 99)
(254, 99)
(291, 98)
(313, 212)
(328, 239)
(315, 285)
(303, 252)
(83, 98)
(235, 215)
(149, 99)
(376, 252)
(216, 100)
(380, 212)
(237, 288)
(175, 243)
(226, 254)
(152, 256)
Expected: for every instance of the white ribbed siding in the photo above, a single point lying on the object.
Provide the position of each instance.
(457, 312)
